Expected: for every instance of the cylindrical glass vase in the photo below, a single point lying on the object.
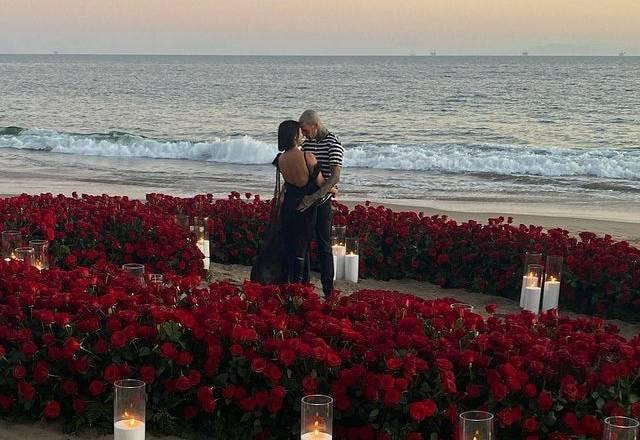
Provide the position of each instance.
(129, 410)
(552, 279)
(40, 253)
(339, 232)
(134, 270)
(351, 260)
(24, 254)
(533, 288)
(11, 239)
(316, 420)
(529, 258)
(476, 425)
(620, 428)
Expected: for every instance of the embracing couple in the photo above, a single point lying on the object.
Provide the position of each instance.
(310, 161)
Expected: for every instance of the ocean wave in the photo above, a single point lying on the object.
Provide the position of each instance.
(496, 159)
(239, 150)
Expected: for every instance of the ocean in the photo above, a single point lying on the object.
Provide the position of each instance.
(532, 131)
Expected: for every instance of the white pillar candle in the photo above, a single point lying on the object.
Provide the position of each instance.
(206, 262)
(526, 281)
(207, 249)
(351, 267)
(339, 250)
(533, 299)
(316, 436)
(338, 267)
(203, 245)
(551, 295)
(129, 429)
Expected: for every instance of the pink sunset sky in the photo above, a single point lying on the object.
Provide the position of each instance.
(341, 27)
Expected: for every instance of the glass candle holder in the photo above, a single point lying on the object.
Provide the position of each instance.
(533, 287)
(339, 250)
(40, 253)
(462, 308)
(351, 260)
(552, 278)
(24, 254)
(620, 428)
(129, 406)
(11, 239)
(476, 425)
(529, 258)
(200, 228)
(316, 421)
(340, 233)
(134, 270)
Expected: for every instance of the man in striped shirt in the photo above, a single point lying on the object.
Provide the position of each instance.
(329, 152)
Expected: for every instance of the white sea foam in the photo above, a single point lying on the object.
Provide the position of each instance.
(446, 158)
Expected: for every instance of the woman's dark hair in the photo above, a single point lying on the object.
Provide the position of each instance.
(287, 133)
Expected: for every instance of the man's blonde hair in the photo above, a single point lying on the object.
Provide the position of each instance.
(312, 117)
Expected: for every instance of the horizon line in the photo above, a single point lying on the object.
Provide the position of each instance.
(421, 55)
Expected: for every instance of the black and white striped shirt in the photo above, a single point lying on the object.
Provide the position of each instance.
(328, 151)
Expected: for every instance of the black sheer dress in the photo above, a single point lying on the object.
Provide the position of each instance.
(286, 243)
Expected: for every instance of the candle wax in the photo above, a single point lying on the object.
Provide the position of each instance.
(129, 429)
(316, 436)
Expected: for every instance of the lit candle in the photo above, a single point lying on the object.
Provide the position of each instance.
(128, 429)
(339, 251)
(527, 280)
(316, 434)
(351, 262)
(532, 302)
(551, 294)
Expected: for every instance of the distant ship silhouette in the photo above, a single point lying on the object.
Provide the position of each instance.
(525, 53)
(433, 53)
(621, 54)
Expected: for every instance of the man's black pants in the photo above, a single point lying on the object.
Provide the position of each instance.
(325, 256)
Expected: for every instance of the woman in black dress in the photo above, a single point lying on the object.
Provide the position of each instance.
(302, 177)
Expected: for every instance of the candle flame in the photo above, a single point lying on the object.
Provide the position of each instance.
(552, 278)
(132, 422)
(316, 431)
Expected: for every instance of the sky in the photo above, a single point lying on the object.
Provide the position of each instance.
(321, 27)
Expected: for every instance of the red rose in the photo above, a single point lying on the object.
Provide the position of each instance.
(19, 372)
(545, 402)
(310, 385)
(183, 383)
(236, 350)
(147, 374)
(41, 372)
(423, 409)
(111, 373)
(119, 339)
(96, 387)
(52, 409)
(333, 360)
(169, 350)
(491, 308)
(258, 364)
(530, 424)
(184, 358)
(287, 357)
(26, 391)
(79, 405)
(70, 387)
